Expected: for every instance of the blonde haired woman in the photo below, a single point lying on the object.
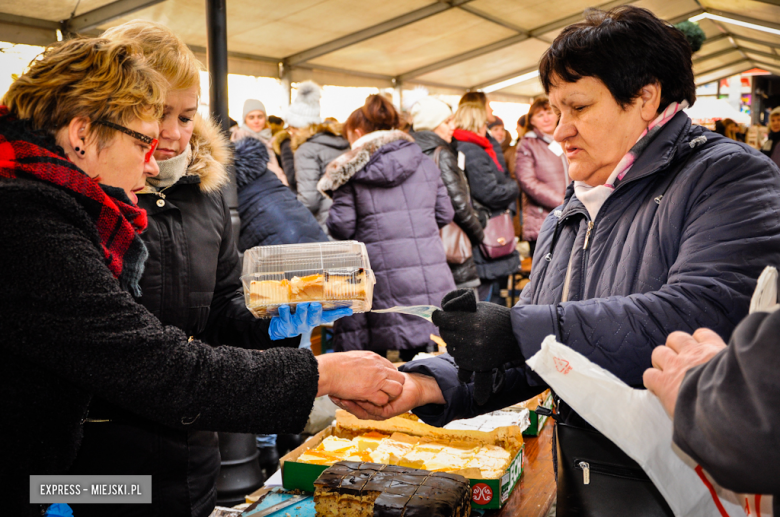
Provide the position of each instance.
(77, 135)
(492, 190)
(191, 281)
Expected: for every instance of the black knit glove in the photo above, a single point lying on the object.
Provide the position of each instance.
(479, 337)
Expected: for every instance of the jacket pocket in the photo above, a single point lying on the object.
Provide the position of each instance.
(200, 308)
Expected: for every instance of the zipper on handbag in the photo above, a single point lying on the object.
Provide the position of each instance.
(587, 467)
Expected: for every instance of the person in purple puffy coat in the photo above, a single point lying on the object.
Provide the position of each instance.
(387, 194)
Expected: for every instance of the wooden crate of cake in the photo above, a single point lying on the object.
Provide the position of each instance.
(491, 461)
(335, 274)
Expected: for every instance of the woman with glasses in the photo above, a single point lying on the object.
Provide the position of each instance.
(77, 135)
(191, 281)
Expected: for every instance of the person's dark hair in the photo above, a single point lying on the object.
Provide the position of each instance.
(478, 97)
(626, 48)
(376, 114)
(273, 119)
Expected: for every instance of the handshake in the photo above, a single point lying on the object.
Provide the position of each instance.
(370, 387)
(479, 337)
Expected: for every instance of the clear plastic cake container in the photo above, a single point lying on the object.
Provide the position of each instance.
(336, 274)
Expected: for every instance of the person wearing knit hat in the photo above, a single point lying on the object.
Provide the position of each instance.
(254, 124)
(254, 115)
(429, 113)
(315, 144)
(305, 109)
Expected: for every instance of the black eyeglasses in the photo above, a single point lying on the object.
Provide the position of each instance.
(135, 134)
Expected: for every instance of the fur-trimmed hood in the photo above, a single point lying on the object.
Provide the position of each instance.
(334, 128)
(351, 163)
(278, 139)
(211, 155)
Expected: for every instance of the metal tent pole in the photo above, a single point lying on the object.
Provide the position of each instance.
(216, 29)
(240, 473)
(217, 54)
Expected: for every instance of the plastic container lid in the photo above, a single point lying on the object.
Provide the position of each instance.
(336, 274)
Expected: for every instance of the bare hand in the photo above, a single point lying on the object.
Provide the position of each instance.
(418, 390)
(670, 363)
(359, 375)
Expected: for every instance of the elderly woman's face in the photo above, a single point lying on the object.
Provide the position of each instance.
(121, 163)
(594, 130)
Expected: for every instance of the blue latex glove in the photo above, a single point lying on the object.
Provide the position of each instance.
(58, 510)
(307, 316)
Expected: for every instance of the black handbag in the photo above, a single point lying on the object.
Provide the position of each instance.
(597, 479)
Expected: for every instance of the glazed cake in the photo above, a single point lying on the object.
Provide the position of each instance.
(352, 489)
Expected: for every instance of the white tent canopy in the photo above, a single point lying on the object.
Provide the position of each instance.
(707, 108)
(449, 46)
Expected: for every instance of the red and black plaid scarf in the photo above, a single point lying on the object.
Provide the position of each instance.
(25, 153)
(471, 137)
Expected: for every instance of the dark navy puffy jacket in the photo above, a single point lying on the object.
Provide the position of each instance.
(677, 246)
(270, 212)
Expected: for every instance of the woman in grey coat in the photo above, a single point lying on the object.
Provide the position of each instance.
(390, 196)
(315, 145)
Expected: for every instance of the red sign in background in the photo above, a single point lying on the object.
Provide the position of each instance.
(481, 493)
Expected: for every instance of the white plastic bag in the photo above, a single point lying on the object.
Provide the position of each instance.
(635, 421)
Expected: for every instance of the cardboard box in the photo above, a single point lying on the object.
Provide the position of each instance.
(486, 493)
(544, 399)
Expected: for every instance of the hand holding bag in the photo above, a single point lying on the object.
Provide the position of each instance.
(499, 238)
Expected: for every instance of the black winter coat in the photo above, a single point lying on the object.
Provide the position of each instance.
(68, 333)
(191, 281)
(494, 191)
(282, 146)
(270, 212)
(465, 275)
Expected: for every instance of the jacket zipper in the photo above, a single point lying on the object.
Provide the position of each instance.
(587, 235)
(585, 253)
(587, 467)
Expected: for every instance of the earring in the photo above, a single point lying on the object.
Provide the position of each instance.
(79, 150)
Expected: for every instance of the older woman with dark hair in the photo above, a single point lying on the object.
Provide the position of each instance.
(666, 227)
(78, 133)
